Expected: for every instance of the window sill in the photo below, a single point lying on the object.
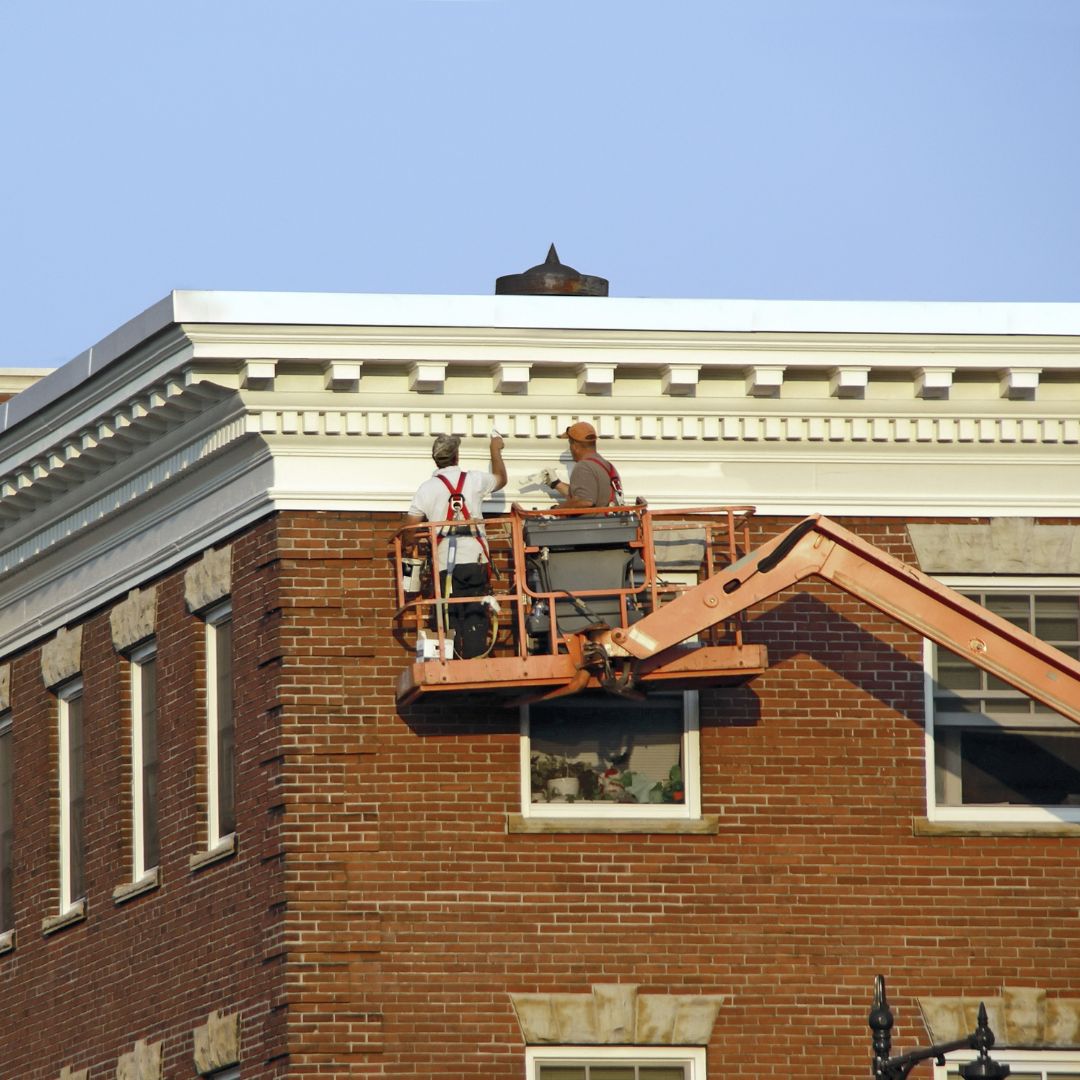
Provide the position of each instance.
(7, 941)
(130, 889)
(75, 914)
(708, 825)
(925, 827)
(225, 848)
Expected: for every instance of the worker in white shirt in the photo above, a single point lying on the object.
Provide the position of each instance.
(457, 495)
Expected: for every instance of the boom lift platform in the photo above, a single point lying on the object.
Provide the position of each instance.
(628, 599)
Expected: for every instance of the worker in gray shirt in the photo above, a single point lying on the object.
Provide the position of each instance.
(593, 480)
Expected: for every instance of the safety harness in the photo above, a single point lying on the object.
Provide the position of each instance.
(458, 510)
(616, 484)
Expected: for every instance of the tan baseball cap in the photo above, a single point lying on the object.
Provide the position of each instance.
(445, 449)
(580, 432)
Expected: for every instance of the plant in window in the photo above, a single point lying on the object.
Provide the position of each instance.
(670, 790)
(556, 777)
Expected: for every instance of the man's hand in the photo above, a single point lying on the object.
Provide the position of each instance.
(498, 469)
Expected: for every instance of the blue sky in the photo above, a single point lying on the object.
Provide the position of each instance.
(809, 149)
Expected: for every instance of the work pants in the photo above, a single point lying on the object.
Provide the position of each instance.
(469, 622)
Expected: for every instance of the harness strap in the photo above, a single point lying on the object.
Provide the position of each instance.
(458, 509)
(613, 475)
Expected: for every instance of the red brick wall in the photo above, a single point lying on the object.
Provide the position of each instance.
(153, 967)
(378, 913)
(813, 885)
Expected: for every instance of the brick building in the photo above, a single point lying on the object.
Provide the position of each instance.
(228, 851)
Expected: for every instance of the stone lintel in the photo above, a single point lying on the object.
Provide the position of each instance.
(217, 1042)
(5, 687)
(61, 658)
(134, 619)
(1022, 1017)
(68, 1073)
(209, 580)
(1004, 546)
(617, 1015)
(142, 1063)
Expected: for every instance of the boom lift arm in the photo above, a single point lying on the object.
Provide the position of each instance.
(818, 546)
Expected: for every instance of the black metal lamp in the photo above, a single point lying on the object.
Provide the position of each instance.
(984, 1067)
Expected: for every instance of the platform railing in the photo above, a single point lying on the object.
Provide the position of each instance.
(677, 549)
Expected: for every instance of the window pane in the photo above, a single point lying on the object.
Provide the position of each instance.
(149, 779)
(1037, 768)
(76, 799)
(226, 763)
(1014, 607)
(612, 1072)
(956, 673)
(592, 749)
(6, 831)
(662, 1072)
(1057, 618)
(561, 1072)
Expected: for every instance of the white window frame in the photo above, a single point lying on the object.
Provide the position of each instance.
(138, 659)
(688, 810)
(1045, 586)
(214, 618)
(68, 693)
(692, 1058)
(1019, 1061)
(5, 732)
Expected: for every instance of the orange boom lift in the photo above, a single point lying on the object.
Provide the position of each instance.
(628, 598)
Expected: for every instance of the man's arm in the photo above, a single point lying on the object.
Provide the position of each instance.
(498, 469)
(582, 491)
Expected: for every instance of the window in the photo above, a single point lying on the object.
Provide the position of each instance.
(220, 730)
(144, 762)
(72, 808)
(7, 912)
(993, 752)
(598, 755)
(1025, 1064)
(615, 1063)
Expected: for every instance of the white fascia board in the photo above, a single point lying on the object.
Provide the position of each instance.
(625, 313)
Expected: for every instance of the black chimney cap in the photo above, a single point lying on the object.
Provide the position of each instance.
(551, 278)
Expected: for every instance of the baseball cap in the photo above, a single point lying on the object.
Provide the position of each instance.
(580, 432)
(445, 449)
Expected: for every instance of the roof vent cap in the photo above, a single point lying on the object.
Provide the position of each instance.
(551, 278)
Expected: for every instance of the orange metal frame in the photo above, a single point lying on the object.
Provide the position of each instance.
(818, 546)
(516, 664)
(656, 650)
